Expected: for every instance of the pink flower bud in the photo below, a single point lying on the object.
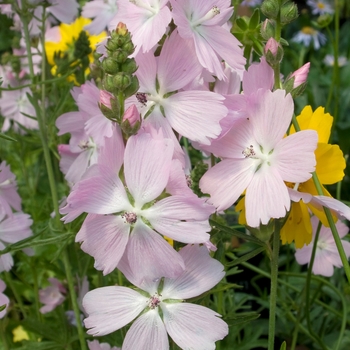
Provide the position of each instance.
(300, 75)
(272, 46)
(105, 98)
(132, 115)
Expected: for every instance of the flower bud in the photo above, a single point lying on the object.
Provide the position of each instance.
(300, 75)
(289, 12)
(121, 81)
(110, 65)
(128, 48)
(108, 83)
(272, 46)
(273, 52)
(132, 115)
(131, 121)
(129, 66)
(267, 29)
(270, 8)
(132, 88)
(121, 29)
(105, 98)
(324, 20)
(120, 55)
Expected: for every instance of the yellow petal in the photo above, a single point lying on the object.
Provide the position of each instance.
(298, 226)
(330, 163)
(318, 121)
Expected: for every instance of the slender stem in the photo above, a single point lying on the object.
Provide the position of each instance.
(3, 336)
(74, 300)
(273, 292)
(15, 293)
(308, 283)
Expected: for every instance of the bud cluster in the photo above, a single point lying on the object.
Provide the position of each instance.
(118, 67)
(119, 80)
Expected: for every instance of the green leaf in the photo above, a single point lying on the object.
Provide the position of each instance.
(8, 138)
(242, 23)
(46, 345)
(246, 257)
(239, 319)
(46, 331)
(236, 233)
(254, 20)
(283, 346)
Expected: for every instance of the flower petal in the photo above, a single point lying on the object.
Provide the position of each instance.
(147, 333)
(193, 326)
(111, 308)
(104, 237)
(201, 273)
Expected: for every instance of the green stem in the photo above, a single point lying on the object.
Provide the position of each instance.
(15, 293)
(273, 292)
(308, 283)
(3, 336)
(74, 299)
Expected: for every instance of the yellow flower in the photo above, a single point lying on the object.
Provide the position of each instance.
(330, 165)
(69, 33)
(19, 334)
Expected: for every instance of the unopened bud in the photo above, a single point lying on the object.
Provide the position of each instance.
(273, 52)
(121, 81)
(129, 66)
(324, 20)
(121, 29)
(300, 75)
(132, 115)
(131, 121)
(120, 55)
(132, 88)
(272, 46)
(110, 65)
(270, 8)
(105, 98)
(267, 29)
(289, 12)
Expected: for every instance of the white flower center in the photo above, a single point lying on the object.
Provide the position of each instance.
(321, 245)
(154, 301)
(209, 15)
(129, 217)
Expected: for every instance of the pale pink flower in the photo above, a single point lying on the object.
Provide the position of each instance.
(102, 12)
(4, 300)
(117, 225)
(258, 159)
(146, 20)
(202, 21)
(52, 296)
(326, 255)
(193, 114)
(190, 326)
(88, 128)
(96, 345)
(13, 229)
(9, 197)
(14, 105)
